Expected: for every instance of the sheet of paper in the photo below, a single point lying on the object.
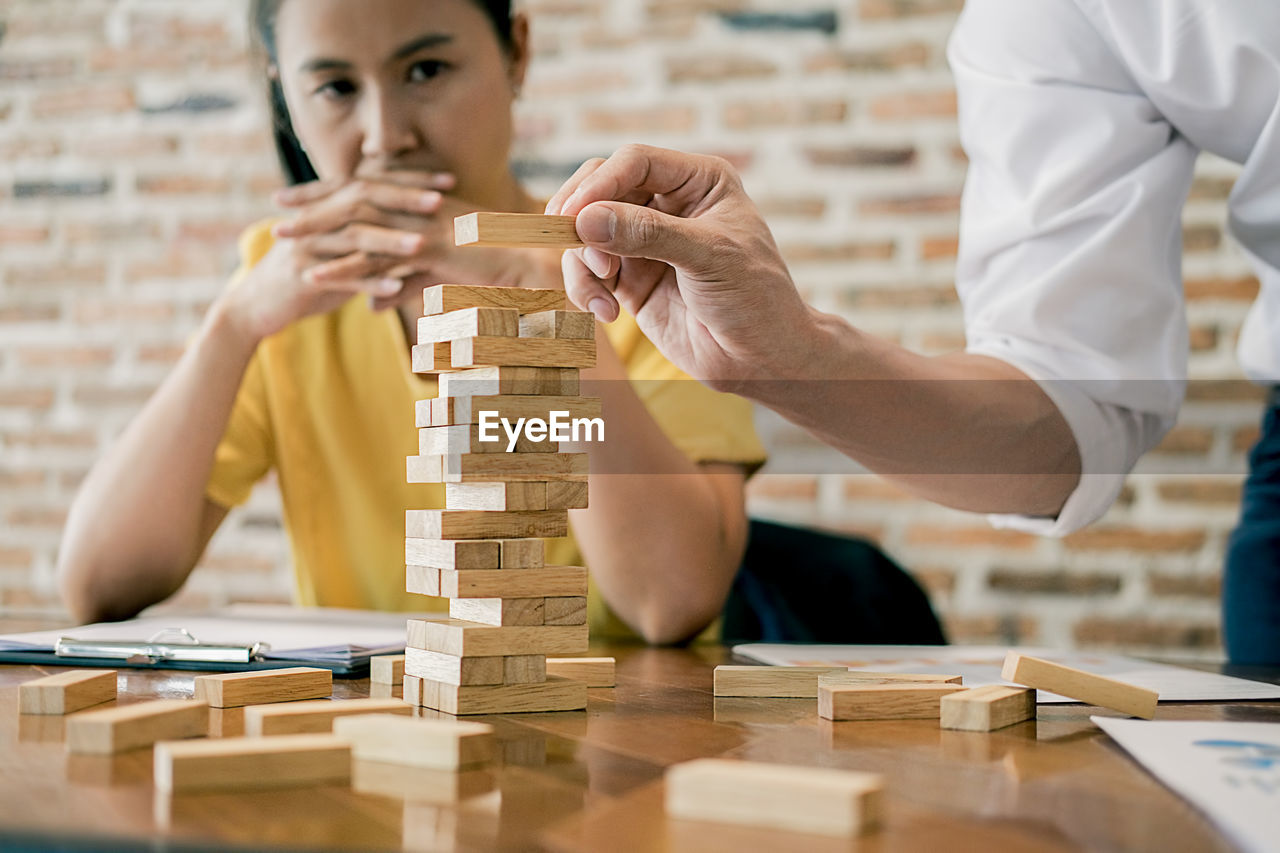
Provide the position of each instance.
(1230, 771)
(981, 665)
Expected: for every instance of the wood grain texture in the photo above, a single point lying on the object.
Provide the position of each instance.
(548, 581)
(386, 669)
(466, 438)
(987, 708)
(424, 469)
(468, 323)
(568, 494)
(431, 359)
(453, 669)
(67, 692)
(443, 298)
(453, 553)
(528, 496)
(522, 352)
(234, 689)
(522, 553)
(524, 669)
(555, 694)
(437, 744)
(1079, 685)
(903, 701)
(491, 467)
(499, 611)
(136, 725)
(313, 716)
(464, 524)
(565, 610)
(593, 672)
(452, 411)
(466, 639)
(853, 676)
(796, 682)
(237, 764)
(565, 325)
(511, 381)
(517, 231)
(821, 800)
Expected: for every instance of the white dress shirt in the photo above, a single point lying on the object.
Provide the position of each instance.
(1082, 120)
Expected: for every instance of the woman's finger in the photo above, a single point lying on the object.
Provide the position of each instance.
(356, 266)
(362, 202)
(371, 239)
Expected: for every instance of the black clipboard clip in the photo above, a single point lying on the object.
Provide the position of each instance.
(171, 644)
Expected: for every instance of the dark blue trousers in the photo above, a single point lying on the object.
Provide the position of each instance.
(1251, 576)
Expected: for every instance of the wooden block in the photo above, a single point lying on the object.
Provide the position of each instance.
(987, 708)
(554, 694)
(137, 725)
(517, 231)
(424, 469)
(498, 611)
(820, 800)
(465, 524)
(565, 610)
(444, 298)
(496, 497)
(438, 744)
(903, 701)
(467, 438)
(852, 676)
(554, 581)
(432, 358)
(500, 467)
(511, 382)
(797, 682)
(466, 639)
(567, 494)
(565, 325)
(412, 690)
(233, 689)
(468, 409)
(593, 672)
(524, 669)
(522, 553)
(316, 715)
(522, 352)
(453, 553)
(67, 692)
(468, 323)
(386, 669)
(1079, 685)
(252, 762)
(452, 669)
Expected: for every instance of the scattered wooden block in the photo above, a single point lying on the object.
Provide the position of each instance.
(517, 231)
(987, 708)
(524, 669)
(464, 524)
(593, 672)
(499, 611)
(511, 382)
(452, 411)
(565, 610)
(386, 669)
(252, 762)
(904, 701)
(504, 467)
(565, 325)
(432, 358)
(555, 694)
(852, 676)
(233, 689)
(567, 494)
(453, 553)
(820, 800)
(402, 782)
(522, 352)
(1079, 685)
(137, 725)
(67, 692)
(496, 497)
(557, 581)
(466, 438)
(313, 716)
(466, 639)
(469, 323)
(522, 553)
(444, 298)
(438, 744)
(796, 682)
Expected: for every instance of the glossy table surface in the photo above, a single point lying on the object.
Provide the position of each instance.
(593, 780)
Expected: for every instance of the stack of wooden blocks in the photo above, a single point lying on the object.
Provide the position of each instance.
(500, 354)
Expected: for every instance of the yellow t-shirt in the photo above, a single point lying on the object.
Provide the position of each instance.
(329, 404)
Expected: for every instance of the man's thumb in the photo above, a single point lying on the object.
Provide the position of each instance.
(632, 231)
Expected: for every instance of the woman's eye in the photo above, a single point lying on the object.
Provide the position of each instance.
(426, 70)
(337, 89)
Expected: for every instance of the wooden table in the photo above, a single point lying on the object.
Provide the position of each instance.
(592, 780)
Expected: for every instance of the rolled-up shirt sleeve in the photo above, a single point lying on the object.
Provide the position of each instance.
(1071, 237)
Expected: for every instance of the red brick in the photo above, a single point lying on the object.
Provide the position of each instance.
(1127, 538)
(183, 185)
(866, 487)
(64, 356)
(1243, 289)
(238, 564)
(151, 29)
(60, 275)
(176, 265)
(16, 558)
(1224, 391)
(640, 120)
(28, 599)
(916, 105)
(1243, 439)
(99, 397)
(911, 55)
(910, 205)
(113, 232)
(98, 311)
(1170, 585)
(672, 29)
(799, 207)
(14, 480)
(1186, 441)
(1000, 630)
(49, 439)
(26, 398)
(1201, 238)
(1133, 631)
(264, 184)
(789, 113)
(942, 342)
(883, 9)
(1200, 491)
(783, 487)
(936, 581)
(1060, 582)
(24, 314)
(29, 148)
(1203, 338)
(126, 146)
(161, 354)
(29, 20)
(1208, 188)
(38, 69)
(860, 156)
(219, 232)
(716, 69)
(15, 235)
(257, 143)
(900, 297)
(799, 253)
(940, 248)
(935, 536)
(37, 516)
(84, 101)
(577, 83)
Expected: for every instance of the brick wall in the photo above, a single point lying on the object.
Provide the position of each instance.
(133, 149)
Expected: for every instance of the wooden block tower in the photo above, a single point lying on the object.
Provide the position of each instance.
(508, 361)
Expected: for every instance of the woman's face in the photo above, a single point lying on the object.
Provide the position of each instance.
(387, 85)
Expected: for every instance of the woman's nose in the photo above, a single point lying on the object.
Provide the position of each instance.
(388, 129)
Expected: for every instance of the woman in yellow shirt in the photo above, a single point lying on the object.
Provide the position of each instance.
(403, 110)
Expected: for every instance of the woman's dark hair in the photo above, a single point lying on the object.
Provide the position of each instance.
(262, 19)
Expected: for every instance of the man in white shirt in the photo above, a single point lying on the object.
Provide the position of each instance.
(1082, 120)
